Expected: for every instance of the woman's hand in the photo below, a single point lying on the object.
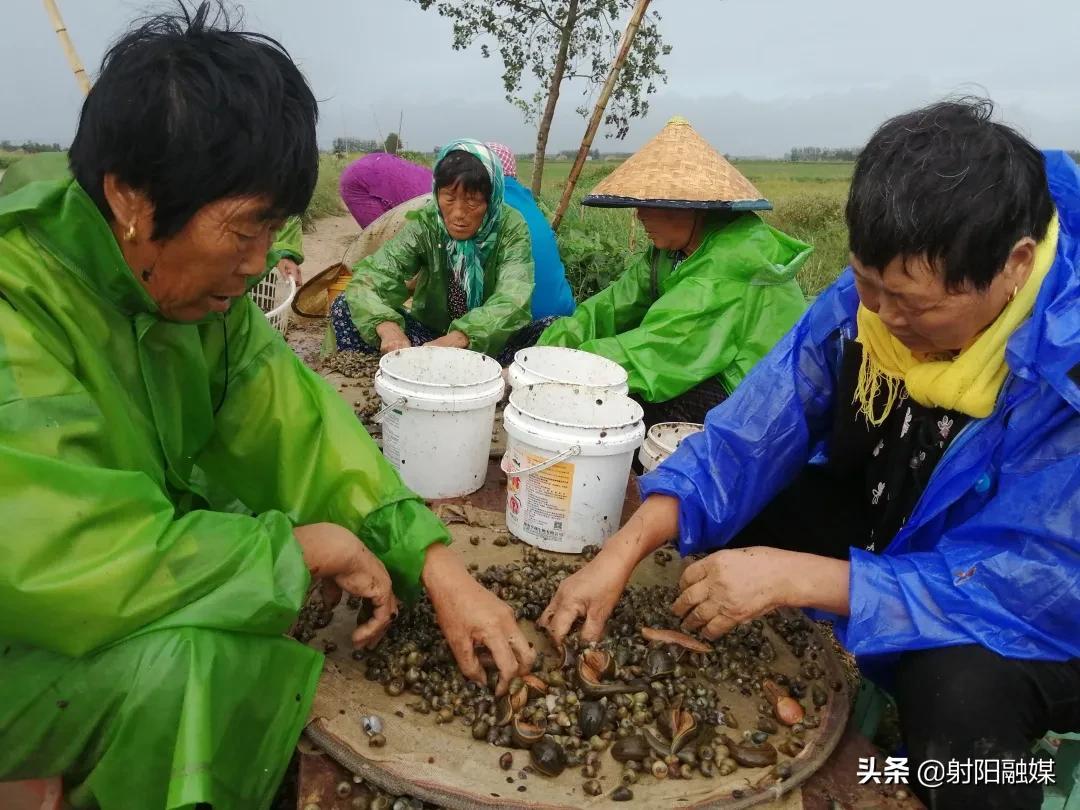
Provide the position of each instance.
(471, 616)
(590, 593)
(729, 587)
(733, 586)
(393, 337)
(341, 559)
(453, 340)
(290, 269)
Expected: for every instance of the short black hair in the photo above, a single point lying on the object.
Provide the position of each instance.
(947, 182)
(461, 167)
(190, 109)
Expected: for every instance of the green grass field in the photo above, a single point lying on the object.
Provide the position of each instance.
(326, 201)
(7, 158)
(808, 203)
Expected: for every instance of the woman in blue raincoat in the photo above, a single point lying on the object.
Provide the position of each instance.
(172, 477)
(907, 459)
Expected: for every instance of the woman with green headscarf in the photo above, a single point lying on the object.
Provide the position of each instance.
(473, 261)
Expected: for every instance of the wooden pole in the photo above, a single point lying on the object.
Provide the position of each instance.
(598, 111)
(69, 48)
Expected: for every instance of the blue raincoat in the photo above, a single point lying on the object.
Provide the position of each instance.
(551, 293)
(991, 553)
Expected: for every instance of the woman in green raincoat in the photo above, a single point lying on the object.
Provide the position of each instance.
(143, 396)
(690, 317)
(472, 258)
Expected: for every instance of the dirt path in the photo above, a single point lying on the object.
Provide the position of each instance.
(327, 243)
(352, 379)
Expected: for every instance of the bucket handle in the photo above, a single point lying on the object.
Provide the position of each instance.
(399, 401)
(543, 465)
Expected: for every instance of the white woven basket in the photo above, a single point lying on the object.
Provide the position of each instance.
(274, 295)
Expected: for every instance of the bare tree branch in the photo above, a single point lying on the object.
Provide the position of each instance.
(525, 8)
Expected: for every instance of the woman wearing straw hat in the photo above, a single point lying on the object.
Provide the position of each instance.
(474, 263)
(689, 318)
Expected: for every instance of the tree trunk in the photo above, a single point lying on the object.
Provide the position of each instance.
(598, 112)
(553, 97)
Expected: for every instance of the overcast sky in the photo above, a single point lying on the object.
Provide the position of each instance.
(755, 77)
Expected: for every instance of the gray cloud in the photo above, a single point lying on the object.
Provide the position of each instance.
(756, 77)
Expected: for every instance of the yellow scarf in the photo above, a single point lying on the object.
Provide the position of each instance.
(968, 383)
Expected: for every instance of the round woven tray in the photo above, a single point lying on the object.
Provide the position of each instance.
(442, 764)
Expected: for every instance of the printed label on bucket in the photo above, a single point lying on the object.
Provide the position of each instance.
(539, 504)
(391, 436)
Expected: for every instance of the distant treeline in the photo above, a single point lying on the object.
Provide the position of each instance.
(30, 147)
(814, 154)
(356, 145)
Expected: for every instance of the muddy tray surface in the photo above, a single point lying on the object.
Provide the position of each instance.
(444, 765)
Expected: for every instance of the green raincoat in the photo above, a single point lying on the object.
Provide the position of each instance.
(141, 648)
(288, 243)
(377, 291)
(41, 166)
(715, 315)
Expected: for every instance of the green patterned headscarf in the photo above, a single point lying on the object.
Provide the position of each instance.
(467, 256)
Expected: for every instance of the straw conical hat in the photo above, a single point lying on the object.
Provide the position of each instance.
(677, 169)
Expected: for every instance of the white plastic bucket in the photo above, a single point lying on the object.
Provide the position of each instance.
(567, 462)
(545, 364)
(438, 416)
(662, 440)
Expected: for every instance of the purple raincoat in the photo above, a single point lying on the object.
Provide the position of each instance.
(375, 183)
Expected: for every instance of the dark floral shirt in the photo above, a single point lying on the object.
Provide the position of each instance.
(457, 300)
(888, 465)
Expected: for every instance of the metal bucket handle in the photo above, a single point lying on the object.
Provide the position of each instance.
(399, 401)
(543, 465)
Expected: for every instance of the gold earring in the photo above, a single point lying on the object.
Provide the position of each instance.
(129, 235)
(1012, 297)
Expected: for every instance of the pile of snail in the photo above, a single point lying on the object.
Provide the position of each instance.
(647, 702)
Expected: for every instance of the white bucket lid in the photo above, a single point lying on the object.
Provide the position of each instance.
(557, 416)
(540, 364)
(663, 439)
(439, 378)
